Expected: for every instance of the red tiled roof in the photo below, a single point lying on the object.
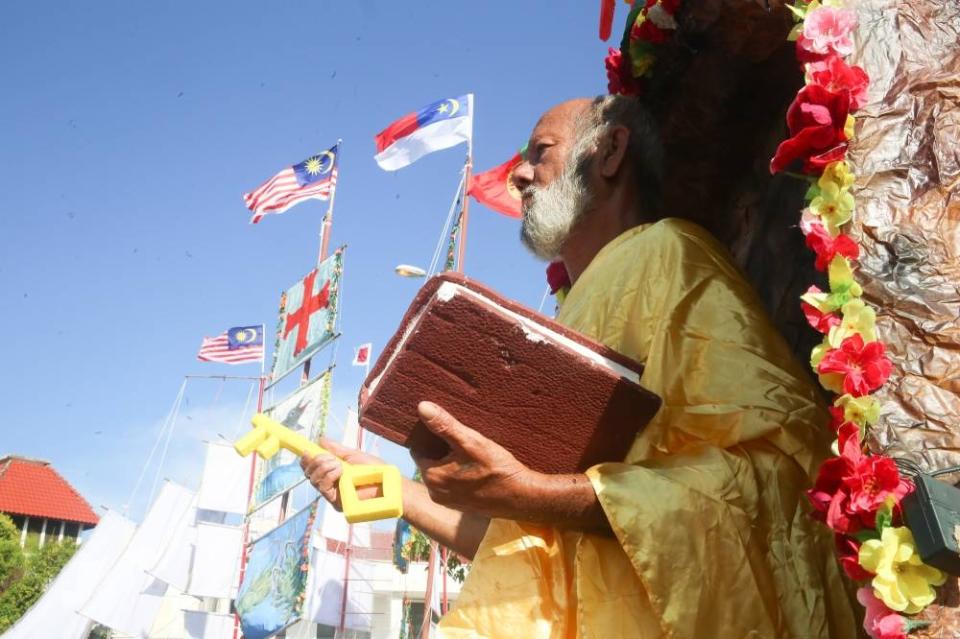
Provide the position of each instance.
(32, 487)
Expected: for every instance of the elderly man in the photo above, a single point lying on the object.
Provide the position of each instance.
(701, 530)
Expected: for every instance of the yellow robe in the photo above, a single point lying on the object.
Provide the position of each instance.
(712, 533)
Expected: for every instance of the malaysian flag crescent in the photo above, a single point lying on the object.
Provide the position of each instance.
(237, 345)
(314, 178)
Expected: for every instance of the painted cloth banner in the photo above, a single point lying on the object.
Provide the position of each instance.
(303, 412)
(215, 562)
(128, 599)
(54, 614)
(225, 480)
(271, 595)
(308, 313)
(208, 625)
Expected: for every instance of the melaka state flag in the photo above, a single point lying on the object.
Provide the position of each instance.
(494, 188)
(438, 126)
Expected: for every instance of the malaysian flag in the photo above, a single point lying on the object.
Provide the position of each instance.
(238, 345)
(315, 178)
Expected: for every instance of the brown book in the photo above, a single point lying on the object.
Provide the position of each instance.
(559, 401)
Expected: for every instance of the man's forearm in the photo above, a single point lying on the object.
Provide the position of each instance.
(461, 532)
(564, 501)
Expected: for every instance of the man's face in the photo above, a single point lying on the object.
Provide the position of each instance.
(554, 193)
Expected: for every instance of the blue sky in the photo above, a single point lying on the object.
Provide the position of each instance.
(128, 132)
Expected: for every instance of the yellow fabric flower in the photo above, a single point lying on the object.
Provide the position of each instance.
(838, 173)
(834, 205)
(831, 381)
(857, 318)
(849, 127)
(903, 582)
(843, 287)
(862, 411)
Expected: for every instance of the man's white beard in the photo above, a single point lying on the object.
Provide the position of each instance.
(553, 211)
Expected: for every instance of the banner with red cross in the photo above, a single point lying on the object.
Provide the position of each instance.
(308, 313)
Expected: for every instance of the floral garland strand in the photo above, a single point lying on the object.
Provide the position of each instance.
(856, 494)
(649, 25)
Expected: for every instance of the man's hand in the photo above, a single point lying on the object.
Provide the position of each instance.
(477, 475)
(480, 476)
(324, 471)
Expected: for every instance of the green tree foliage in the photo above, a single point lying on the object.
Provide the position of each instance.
(11, 556)
(40, 569)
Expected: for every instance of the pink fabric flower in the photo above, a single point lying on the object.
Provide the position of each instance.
(880, 622)
(619, 79)
(827, 30)
(833, 74)
(864, 367)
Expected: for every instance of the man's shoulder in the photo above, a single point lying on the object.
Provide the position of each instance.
(678, 237)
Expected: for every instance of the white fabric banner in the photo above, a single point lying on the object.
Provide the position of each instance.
(54, 614)
(226, 480)
(127, 599)
(208, 625)
(173, 567)
(335, 526)
(216, 561)
(325, 591)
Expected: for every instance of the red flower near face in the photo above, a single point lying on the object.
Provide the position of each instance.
(619, 79)
(557, 277)
(848, 552)
(864, 367)
(827, 247)
(833, 74)
(851, 488)
(816, 120)
(649, 32)
(820, 321)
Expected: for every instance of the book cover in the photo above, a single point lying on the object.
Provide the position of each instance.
(559, 401)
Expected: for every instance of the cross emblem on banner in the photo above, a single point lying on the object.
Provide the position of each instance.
(310, 305)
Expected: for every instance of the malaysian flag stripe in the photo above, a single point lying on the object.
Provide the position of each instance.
(217, 349)
(314, 178)
(282, 196)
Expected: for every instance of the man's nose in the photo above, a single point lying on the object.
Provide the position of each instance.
(522, 175)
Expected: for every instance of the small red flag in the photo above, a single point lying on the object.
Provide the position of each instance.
(495, 188)
(361, 357)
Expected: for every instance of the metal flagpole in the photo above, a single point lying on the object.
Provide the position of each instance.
(428, 594)
(349, 548)
(246, 523)
(465, 211)
(328, 218)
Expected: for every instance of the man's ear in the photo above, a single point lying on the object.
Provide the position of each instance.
(612, 150)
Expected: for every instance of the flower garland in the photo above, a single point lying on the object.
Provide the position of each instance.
(649, 25)
(856, 494)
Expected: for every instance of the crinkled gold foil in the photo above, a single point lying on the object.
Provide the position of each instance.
(907, 159)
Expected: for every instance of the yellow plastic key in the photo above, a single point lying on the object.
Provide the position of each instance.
(269, 436)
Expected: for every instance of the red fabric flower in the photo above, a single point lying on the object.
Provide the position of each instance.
(827, 247)
(820, 321)
(837, 418)
(816, 120)
(557, 277)
(833, 74)
(848, 552)
(851, 488)
(619, 79)
(864, 367)
(648, 32)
